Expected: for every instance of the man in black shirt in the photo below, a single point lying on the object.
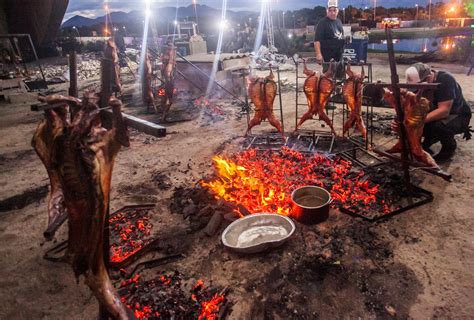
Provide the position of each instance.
(329, 37)
(450, 114)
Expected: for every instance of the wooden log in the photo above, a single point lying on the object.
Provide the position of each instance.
(107, 66)
(131, 121)
(73, 91)
(138, 124)
(213, 224)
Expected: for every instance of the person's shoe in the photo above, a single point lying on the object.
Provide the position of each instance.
(446, 152)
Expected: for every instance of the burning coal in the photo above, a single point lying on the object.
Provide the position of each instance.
(163, 298)
(130, 232)
(263, 182)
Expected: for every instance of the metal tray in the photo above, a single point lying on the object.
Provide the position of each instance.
(258, 232)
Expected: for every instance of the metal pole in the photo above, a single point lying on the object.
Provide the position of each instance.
(429, 13)
(281, 104)
(399, 110)
(36, 57)
(296, 96)
(196, 15)
(73, 74)
(375, 8)
(17, 48)
(247, 105)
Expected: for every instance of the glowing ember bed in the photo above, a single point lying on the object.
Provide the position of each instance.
(131, 233)
(264, 181)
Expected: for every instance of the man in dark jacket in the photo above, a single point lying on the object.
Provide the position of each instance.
(329, 36)
(449, 114)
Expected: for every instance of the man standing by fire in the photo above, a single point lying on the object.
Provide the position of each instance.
(329, 38)
(449, 114)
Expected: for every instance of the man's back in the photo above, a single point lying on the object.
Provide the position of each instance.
(449, 89)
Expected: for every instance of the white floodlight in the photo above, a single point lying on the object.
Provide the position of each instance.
(223, 24)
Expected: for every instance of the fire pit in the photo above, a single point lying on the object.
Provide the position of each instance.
(254, 181)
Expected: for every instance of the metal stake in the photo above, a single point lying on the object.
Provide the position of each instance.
(399, 110)
(279, 95)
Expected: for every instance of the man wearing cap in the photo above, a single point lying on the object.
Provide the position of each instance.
(329, 37)
(449, 114)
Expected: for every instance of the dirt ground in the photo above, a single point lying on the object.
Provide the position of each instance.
(419, 264)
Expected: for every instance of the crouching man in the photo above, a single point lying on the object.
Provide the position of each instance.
(449, 113)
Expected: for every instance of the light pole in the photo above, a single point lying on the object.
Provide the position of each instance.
(416, 17)
(375, 8)
(196, 15)
(78, 34)
(343, 15)
(429, 13)
(283, 19)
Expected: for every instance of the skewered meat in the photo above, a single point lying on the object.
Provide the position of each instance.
(352, 92)
(82, 154)
(318, 89)
(110, 53)
(415, 109)
(86, 169)
(167, 71)
(262, 92)
(43, 143)
(147, 92)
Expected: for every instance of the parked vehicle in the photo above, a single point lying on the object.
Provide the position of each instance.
(391, 22)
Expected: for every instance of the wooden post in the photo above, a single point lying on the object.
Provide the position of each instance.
(73, 74)
(107, 67)
(398, 109)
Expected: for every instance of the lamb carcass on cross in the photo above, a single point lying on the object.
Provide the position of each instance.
(318, 89)
(111, 53)
(352, 92)
(49, 130)
(81, 156)
(262, 92)
(168, 67)
(148, 99)
(415, 108)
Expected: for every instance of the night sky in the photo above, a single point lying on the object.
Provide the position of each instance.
(93, 8)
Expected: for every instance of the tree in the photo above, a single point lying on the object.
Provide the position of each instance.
(468, 6)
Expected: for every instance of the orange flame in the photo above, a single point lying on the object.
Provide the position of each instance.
(264, 182)
(161, 92)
